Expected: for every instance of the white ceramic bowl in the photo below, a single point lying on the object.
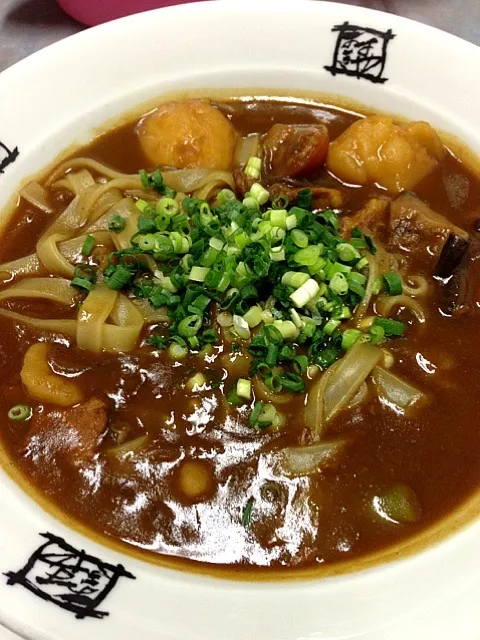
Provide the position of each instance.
(58, 97)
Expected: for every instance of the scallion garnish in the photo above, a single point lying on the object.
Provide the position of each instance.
(278, 277)
(88, 245)
(117, 224)
(247, 513)
(392, 283)
(20, 412)
(390, 327)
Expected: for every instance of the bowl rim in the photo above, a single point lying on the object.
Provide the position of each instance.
(81, 40)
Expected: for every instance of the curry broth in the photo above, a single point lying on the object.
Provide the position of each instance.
(296, 522)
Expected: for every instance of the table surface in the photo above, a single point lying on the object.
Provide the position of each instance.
(29, 25)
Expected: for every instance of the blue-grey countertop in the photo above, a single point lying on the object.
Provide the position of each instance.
(29, 25)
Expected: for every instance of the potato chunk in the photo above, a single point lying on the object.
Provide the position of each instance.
(44, 385)
(195, 479)
(188, 134)
(394, 156)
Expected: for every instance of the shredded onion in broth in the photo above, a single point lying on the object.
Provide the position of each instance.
(336, 388)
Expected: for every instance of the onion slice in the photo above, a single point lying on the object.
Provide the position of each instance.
(395, 391)
(329, 396)
(302, 461)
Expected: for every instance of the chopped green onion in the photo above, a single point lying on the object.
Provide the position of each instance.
(117, 224)
(253, 167)
(331, 325)
(198, 274)
(20, 412)
(337, 267)
(392, 283)
(274, 383)
(119, 277)
(304, 198)
(377, 333)
(349, 338)
(277, 234)
(244, 388)
(305, 293)
(273, 334)
(177, 351)
(167, 206)
(272, 355)
(216, 243)
(280, 202)
(257, 410)
(250, 203)
(287, 328)
(267, 417)
(82, 283)
(147, 242)
(189, 326)
(277, 254)
(331, 218)
(225, 195)
(339, 284)
(300, 238)
(241, 327)
(88, 245)
(308, 256)
(291, 222)
(294, 278)
(346, 252)
(296, 319)
(259, 193)
(142, 205)
(278, 218)
(361, 264)
(247, 513)
(293, 382)
(253, 316)
(300, 364)
(390, 327)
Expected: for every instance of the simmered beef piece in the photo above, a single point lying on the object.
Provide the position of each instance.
(416, 228)
(372, 216)
(242, 182)
(72, 434)
(292, 151)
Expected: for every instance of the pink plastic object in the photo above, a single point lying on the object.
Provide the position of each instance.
(92, 12)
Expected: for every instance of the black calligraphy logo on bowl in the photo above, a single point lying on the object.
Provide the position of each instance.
(7, 156)
(71, 579)
(360, 52)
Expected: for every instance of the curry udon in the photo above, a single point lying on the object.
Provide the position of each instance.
(244, 333)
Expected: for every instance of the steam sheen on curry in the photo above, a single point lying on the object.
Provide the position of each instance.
(244, 333)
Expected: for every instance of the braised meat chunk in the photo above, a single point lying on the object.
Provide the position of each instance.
(372, 216)
(415, 228)
(292, 151)
(71, 435)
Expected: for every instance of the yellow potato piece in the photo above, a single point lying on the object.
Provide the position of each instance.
(44, 385)
(375, 149)
(187, 135)
(195, 479)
